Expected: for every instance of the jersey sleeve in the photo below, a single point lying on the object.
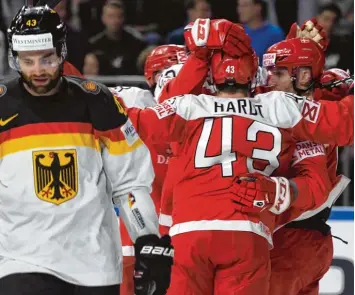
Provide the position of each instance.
(127, 164)
(327, 122)
(190, 79)
(164, 123)
(310, 173)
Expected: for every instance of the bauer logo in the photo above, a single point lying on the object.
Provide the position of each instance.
(32, 42)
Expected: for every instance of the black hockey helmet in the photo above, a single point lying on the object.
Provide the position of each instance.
(36, 28)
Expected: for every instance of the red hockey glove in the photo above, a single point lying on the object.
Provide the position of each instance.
(335, 85)
(217, 34)
(255, 193)
(310, 29)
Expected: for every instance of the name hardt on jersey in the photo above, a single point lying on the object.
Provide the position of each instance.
(240, 106)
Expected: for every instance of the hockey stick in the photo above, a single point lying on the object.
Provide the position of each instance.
(50, 3)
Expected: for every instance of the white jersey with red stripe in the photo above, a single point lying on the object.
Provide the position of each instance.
(134, 97)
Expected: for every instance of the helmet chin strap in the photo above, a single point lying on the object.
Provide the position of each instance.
(299, 91)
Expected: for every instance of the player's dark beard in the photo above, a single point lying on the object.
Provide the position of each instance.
(54, 80)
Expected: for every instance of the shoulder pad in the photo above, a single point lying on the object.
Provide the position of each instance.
(7, 85)
(88, 86)
(134, 96)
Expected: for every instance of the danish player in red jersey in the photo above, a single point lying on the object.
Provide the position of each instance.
(213, 152)
(296, 66)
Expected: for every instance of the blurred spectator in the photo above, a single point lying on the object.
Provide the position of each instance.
(195, 9)
(253, 14)
(95, 64)
(340, 52)
(3, 50)
(90, 12)
(77, 42)
(121, 45)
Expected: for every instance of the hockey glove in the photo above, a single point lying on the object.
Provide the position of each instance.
(310, 29)
(217, 34)
(154, 258)
(335, 84)
(255, 193)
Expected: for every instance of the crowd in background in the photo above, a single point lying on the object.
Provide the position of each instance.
(114, 37)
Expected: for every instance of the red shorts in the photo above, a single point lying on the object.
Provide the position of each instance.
(299, 260)
(220, 262)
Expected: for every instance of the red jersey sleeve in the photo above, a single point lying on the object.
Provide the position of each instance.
(189, 80)
(327, 122)
(310, 173)
(159, 124)
(70, 70)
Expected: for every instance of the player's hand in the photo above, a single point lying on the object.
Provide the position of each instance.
(217, 34)
(310, 29)
(335, 84)
(154, 258)
(255, 193)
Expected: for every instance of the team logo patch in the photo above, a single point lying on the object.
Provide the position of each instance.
(310, 111)
(131, 201)
(91, 87)
(55, 175)
(3, 90)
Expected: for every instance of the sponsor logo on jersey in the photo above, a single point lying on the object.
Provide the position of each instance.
(55, 175)
(129, 132)
(165, 109)
(307, 149)
(91, 87)
(3, 90)
(310, 111)
(139, 218)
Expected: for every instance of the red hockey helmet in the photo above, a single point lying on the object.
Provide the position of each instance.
(226, 69)
(163, 57)
(295, 53)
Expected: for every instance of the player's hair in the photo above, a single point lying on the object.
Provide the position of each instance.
(333, 8)
(233, 88)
